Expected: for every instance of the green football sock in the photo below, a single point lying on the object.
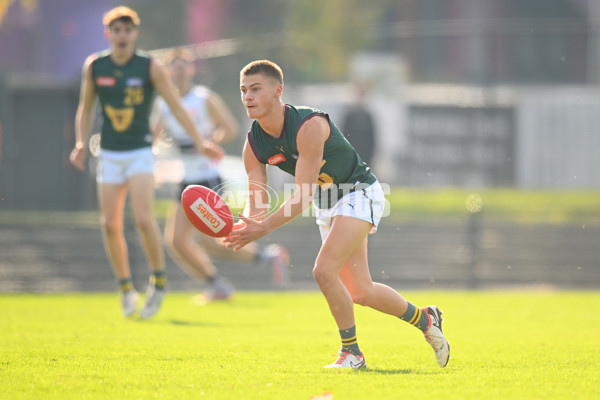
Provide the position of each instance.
(158, 279)
(126, 284)
(416, 317)
(349, 342)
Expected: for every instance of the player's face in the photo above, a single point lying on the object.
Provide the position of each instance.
(122, 36)
(259, 94)
(181, 70)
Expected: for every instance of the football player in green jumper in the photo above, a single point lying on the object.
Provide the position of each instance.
(348, 200)
(124, 80)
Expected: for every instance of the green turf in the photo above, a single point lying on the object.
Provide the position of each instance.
(505, 345)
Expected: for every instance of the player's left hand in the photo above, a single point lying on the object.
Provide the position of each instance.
(245, 231)
(212, 151)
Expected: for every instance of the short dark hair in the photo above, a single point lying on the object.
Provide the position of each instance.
(179, 53)
(123, 14)
(265, 67)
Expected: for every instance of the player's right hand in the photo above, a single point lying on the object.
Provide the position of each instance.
(250, 231)
(77, 157)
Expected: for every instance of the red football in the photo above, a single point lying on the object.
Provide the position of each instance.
(207, 211)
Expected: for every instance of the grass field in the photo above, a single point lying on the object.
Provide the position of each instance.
(505, 345)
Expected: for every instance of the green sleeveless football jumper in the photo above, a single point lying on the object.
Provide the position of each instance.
(126, 94)
(342, 170)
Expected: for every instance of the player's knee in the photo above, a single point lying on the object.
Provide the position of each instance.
(177, 241)
(170, 241)
(360, 297)
(144, 224)
(323, 275)
(111, 227)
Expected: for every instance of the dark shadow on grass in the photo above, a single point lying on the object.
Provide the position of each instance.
(391, 371)
(179, 322)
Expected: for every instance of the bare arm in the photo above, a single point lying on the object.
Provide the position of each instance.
(257, 205)
(310, 141)
(156, 122)
(227, 126)
(167, 91)
(83, 118)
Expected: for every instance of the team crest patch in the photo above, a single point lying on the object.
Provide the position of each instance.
(133, 82)
(106, 81)
(276, 159)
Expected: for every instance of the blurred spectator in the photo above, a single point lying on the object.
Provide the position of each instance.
(358, 127)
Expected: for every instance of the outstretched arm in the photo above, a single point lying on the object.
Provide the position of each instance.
(257, 206)
(310, 141)
(157, 126)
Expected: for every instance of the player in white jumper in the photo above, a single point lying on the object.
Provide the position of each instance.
(215, 122)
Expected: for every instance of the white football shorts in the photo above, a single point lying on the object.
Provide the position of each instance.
(367, 204)
(116, 167)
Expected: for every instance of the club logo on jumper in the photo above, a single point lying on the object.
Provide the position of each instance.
(106, 81)
(133, 82)
(276, 159)
(207, 215)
